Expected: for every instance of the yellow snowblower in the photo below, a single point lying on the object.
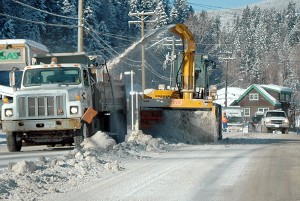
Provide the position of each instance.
(185, 112)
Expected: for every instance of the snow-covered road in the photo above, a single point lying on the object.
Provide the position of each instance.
(240, 167)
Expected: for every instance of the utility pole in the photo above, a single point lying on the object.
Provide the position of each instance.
(226, 80)
(226, 77)
(142, 16)
(172, 58)
(80, 26)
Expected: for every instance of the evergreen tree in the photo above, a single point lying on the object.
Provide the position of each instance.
(7, 31)
(148, 5)
(174, 14)
(160, 14)
(134, 6)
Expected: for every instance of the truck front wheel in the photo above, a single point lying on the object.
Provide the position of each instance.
(81, 134)
(14, 143)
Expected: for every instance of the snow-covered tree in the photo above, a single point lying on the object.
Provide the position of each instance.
(7, 31)
(160, 14)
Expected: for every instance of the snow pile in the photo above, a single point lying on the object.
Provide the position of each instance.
(99, 157)
(101, 140)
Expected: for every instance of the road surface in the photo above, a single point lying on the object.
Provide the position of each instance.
(241, 167)
(27, 153)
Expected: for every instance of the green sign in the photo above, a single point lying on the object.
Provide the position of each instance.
(10, 55)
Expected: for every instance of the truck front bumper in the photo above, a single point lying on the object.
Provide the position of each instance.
(41, 125)
(276, 126)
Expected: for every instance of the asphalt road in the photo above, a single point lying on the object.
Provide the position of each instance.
(27, 153)
(246, 167)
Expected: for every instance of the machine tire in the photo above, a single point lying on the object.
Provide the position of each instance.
(118, 119)
(13, 143)
(81, 134)
(218, 113)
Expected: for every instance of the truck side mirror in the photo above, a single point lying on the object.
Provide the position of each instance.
(12, 77)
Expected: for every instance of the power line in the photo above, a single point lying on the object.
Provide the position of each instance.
(208, 6)
(57, 15)
(100, 39)
(36, 22)
(113, 35)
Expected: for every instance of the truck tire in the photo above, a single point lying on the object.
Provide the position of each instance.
(14, 144)
(218, 113)
(285, 131)
(119, 122)
(121, 126)
(81, 134)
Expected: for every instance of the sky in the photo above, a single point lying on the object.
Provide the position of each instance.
(199, 5)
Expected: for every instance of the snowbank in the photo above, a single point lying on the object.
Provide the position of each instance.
(99, 157)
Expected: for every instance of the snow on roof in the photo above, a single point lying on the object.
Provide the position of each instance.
(233, 93)
(260, 89)
(277, 88)
(271, 98)
(23, 41)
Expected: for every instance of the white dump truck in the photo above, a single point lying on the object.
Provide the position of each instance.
(64, 98)
(235, 118)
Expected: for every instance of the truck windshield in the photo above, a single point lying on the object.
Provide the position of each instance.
(235, 120)
(63, 75)
(276, 114)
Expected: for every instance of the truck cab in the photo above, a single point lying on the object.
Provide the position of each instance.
(54, 96)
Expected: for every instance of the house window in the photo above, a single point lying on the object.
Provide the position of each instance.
(262, 109)
(253, 96)
(247, 112)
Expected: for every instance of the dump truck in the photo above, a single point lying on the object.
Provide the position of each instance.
(236, 118)
(64, 98)
(185, 112)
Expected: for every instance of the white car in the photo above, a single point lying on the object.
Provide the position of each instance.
(274, 120)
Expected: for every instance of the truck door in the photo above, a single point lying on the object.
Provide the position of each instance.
(87, 90)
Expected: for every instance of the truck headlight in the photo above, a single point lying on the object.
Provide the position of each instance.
(8, 112)
(73, 109)
(286, 121)
(268, 121)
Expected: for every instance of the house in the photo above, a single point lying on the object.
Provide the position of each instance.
(264, 97)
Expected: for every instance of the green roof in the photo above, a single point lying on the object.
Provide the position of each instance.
(261, 91)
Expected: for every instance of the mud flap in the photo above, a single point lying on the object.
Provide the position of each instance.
(187, 126)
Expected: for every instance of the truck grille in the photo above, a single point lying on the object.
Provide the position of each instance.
(276, 121)
(39, 106)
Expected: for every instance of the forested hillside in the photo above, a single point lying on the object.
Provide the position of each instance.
(54, 22)
(259, 45)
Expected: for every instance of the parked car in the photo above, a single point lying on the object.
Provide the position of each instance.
(274, 120)
(253, 124)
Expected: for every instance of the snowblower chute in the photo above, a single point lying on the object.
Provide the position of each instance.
(185, 112)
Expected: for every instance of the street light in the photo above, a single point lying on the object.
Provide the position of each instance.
(131, 73)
